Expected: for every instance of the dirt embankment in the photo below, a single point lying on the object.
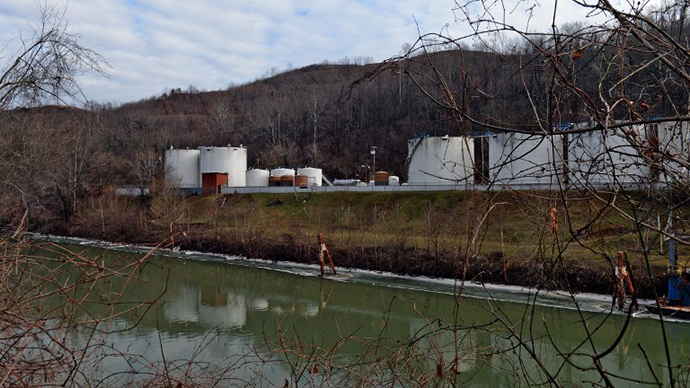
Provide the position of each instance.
(486, 237)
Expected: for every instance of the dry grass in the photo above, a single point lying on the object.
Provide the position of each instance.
(518, 226)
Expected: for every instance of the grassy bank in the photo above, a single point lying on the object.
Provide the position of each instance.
(496, 237)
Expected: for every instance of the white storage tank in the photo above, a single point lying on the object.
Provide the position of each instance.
(282, 171)
(440, 160)
(225, 160)
(314, 175)
(607, 157)
(182, 168)
(522, 159)
(257, 178)
(393, 180)
(674, 143)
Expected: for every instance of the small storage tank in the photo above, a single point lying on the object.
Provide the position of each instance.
(393, 180)
(302, 180)
(225, 160)
(279, 172)
(287, 180)
(274, 180)
(257, 178)
(314, 175)
(381, 178)
(182, 168)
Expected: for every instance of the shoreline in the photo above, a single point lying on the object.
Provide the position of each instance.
(596, 283)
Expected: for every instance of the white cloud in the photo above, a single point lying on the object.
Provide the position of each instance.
(153, 44)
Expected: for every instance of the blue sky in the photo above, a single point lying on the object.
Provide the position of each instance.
(152, 45)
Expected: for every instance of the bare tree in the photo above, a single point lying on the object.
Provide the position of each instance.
(48, 63)
(146, 165)
(220, 124)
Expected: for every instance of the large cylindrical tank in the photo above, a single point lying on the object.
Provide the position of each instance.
(282, 171)
(287, 180)
(381, 178)
(274, 180)
(225, 160)
(440, 160)
(314, 175)
(257, 178)
(394, 180)
(182, 168)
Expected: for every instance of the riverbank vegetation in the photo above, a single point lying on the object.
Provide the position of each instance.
(499, 237)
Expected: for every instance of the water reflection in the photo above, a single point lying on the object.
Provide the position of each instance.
(215, 311)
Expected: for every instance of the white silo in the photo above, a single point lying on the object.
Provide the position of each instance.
(257, 178)
(674, 142)
(522, 159)
(225, 160)
(182, 168)
(607, 157)
(314, 175)
(282, 171)
(441, 160)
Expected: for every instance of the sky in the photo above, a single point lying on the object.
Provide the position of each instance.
(154, 45)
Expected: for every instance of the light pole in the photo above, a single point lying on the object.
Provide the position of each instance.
(373, 169)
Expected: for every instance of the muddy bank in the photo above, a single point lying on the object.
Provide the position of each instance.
(489, 269)
(492, 268)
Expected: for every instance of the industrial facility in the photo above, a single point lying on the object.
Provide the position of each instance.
(522, 161)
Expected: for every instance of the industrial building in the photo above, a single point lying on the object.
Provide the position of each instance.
(616, 156)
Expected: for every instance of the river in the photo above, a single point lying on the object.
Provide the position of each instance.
(263, 323)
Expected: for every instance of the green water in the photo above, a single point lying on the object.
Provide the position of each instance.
(229, 314)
